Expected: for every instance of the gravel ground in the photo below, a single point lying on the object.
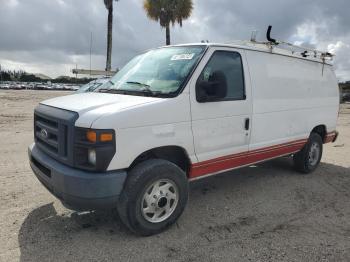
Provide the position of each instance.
(260, 213)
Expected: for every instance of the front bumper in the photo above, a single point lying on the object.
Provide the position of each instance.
(77, 189)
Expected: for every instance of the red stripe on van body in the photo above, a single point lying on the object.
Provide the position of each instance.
(246, 158)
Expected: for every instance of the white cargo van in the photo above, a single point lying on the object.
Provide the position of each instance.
(177, 114)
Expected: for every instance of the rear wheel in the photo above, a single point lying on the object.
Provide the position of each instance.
(307, 160)
(154, 197)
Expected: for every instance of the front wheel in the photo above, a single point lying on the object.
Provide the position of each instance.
(307, 160)
(154, 197)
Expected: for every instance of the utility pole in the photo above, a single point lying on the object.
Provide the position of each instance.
(109, 7)
(0, 74)
(90, 52)
(109, 37)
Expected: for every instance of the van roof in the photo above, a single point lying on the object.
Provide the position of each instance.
(266, 48)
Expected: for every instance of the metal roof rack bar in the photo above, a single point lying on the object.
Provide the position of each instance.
(316, 53)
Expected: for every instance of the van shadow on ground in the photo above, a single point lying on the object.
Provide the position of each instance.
(245, 195)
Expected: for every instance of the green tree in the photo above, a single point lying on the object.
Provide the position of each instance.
(168, 12)
(109, 6)
(29, 78)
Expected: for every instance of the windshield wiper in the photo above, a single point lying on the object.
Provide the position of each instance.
(146, 89)
(138, 83)
(143, 92)
(152, 93)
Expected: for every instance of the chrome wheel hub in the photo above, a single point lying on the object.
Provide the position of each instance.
(314, 154)
(159, 201)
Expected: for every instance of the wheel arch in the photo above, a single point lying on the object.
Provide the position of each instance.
(321, 130)
(175, 154)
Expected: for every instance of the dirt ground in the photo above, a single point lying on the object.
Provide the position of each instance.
(261, 213)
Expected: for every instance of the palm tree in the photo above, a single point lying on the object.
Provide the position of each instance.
(168, 12)
(109, 6)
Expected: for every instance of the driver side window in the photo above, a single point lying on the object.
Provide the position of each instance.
(222, 79)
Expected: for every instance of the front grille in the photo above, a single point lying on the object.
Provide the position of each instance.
(47, 132)
(54, 132)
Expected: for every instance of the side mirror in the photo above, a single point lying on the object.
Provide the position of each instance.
(212, 90)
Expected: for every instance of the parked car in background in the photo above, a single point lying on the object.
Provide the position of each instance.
(346, 97)
(4, 86)
(93, 85)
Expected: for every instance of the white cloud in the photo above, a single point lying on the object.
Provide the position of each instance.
(338, 46)
(61, 2)
(306, 33)
(341, 60)
(11, 3)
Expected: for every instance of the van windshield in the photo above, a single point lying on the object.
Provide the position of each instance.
(159, 72)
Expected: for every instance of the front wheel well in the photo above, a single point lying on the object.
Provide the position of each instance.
(174, 154)
(321, 130)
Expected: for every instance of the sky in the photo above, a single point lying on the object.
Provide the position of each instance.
(52, 37)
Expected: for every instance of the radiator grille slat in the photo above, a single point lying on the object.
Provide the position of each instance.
(54, 132)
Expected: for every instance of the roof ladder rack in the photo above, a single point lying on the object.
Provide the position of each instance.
(305, 52)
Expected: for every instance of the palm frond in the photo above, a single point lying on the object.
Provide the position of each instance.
(183, 10)
(108, 3)
(168, 11)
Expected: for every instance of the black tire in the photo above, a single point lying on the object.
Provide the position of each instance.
(140, 178)
(303, 162)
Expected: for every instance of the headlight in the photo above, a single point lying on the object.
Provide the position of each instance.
(93, 148)
(92, 156)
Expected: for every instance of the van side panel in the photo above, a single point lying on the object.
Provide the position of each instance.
(290, 97)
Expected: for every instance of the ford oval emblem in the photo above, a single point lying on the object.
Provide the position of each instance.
(44, 133)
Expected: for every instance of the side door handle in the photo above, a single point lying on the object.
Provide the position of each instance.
(247, 124)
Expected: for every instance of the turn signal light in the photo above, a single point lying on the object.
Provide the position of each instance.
(106, 137)
(102, 137)
(91, 136)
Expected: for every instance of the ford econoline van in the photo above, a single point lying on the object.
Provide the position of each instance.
(180, 113)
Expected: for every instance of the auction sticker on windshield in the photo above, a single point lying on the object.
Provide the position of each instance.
(182, 57)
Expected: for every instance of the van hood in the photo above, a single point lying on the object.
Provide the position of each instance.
(82, 103)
